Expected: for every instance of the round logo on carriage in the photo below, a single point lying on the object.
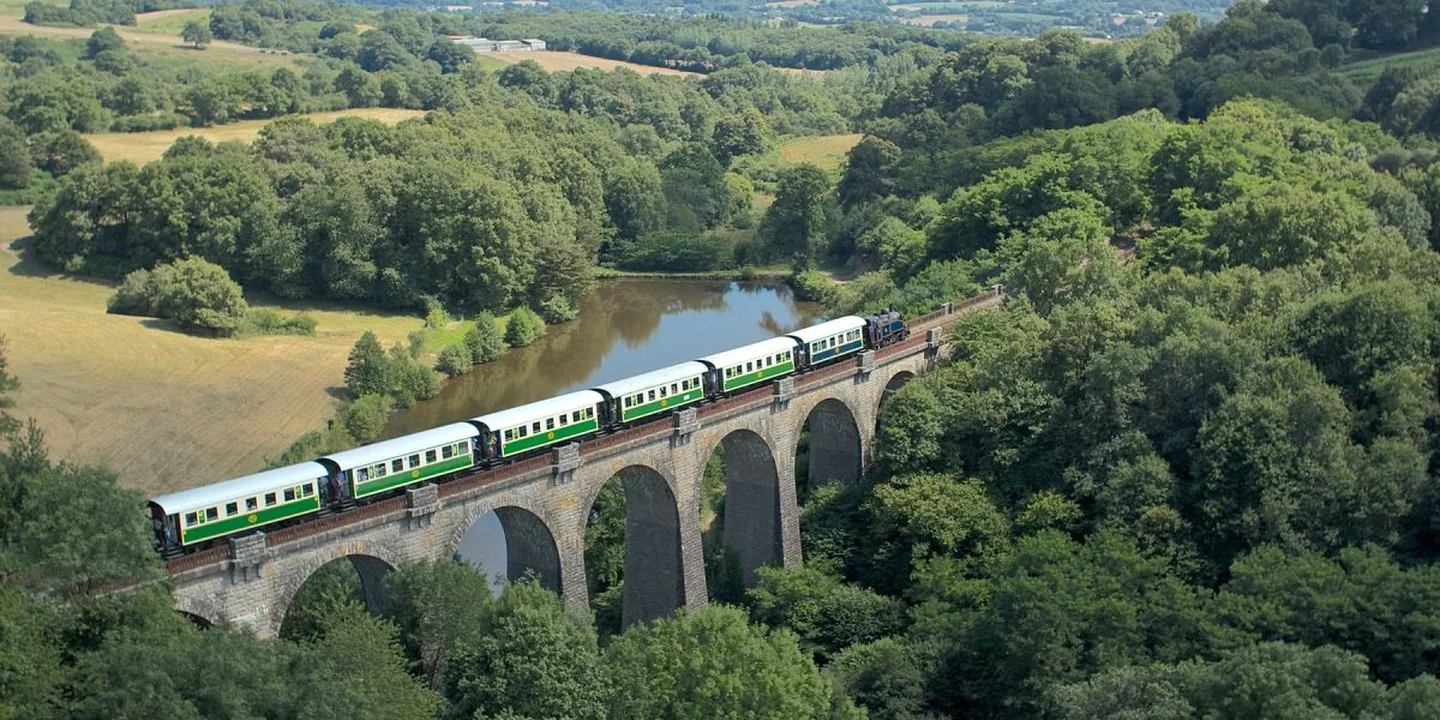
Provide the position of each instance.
(760, 374)
(414, 473)
(253, 517)
(550, 435)
(664, 402)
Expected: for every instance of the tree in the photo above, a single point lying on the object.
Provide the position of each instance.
(355, 644)
(8, 384)
(61, 152)
(796, 225)
(483, 340)
(368, 370)
(103, 40)
(532, 659)
(441, 609)
(523, 327)
(827, 614)
(14, 156)
(366, 417)
(197, 33)
(197, 294)
(454, 359)
(702, 665)
(870, 171)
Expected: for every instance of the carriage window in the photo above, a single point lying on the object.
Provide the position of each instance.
(211, 514)
(463, 447)
(663, 392)
(447, 452)
(231, 509)
(269, 499)
(397, 465)
(549, 423)
(589, 413)
(380, 470)
(651, 394)
(307, 490)
(289, 494)
(564, 419)
(191, 519)
(535, 427)
(251, 504)
(429, 456)
(362, 474)
(413, 461)
(674, 388)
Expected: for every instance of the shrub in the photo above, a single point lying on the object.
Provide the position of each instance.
(454, 360)
(269, 322)
(557, 310)
(133, 295)
(411, 381)
(523, 328)
(198, 295)
(436, 316)
(365, 418)
(484, 340)
(811, 285)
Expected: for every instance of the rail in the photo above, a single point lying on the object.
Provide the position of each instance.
(738, 403)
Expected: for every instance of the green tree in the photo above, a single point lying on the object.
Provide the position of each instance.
(198, 295)
(197, 33)
(826, 613)
(532, 659)
(103, 40)
(523, 327)
(454, 359)
(702, 665)
(441, 609)
(15, 164)
(870, 171)
(8, 384)
(483, 340)
(355, 644)
(796, 225)
(366, 417)
(368, 370)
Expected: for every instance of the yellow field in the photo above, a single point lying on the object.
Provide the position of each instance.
(143, 147)
(826, 151)
(556, 61)
(12, 25)
(165, 410)
(928, 20)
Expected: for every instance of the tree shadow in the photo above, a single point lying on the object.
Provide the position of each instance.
(28, 265)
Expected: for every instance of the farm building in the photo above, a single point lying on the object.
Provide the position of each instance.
(482, 45)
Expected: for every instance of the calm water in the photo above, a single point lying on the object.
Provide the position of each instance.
(625, 327)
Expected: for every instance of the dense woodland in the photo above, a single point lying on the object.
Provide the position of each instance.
(1198, 484)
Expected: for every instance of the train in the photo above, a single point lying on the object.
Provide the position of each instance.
(193, 519)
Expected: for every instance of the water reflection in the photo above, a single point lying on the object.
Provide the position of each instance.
(625, 327)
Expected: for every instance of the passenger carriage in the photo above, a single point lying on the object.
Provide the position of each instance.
(373, 469)
(655, 392)
(829, 340)
(211, 511)
(751, 365)
(518, 430)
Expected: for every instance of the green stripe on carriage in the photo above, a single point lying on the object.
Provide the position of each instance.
(769, 373)
(264, 516)
(405, 477)
(661, 405)
(549, 437)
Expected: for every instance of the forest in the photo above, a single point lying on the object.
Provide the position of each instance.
(1200, 483)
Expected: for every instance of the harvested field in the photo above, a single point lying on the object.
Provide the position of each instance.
(556, 61)
(13, 25)
(929, 20)
(143, 147)
(163, 409)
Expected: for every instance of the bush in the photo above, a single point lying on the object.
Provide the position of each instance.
(523, 328)
(436, 316)
(557, 310)
(269, 322)
(454, 360)
(147, 123)
(198, 295)
(409, 380)
(365, 418)
(811, 285)
(484, 340)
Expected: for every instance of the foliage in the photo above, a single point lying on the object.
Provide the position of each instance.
(523, 327)
(196, 294)
(197, 33)
(367, 372)
(826, 613)
(557, 310)
(365, 418)
(454, 359)
(483, 340)
(264, 321)
(670, 252)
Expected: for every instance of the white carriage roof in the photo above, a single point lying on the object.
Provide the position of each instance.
(403, 445)
(749, 352)
(540, 409)
(663, 376)
(826, 329)
(208, 496)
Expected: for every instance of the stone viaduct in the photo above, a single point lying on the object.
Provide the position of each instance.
(544, 502)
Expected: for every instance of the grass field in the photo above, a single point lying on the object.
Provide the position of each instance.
(169, 22)
(163, 409)
(143, 147)
(12, 25)
(826, 151)
(1371, 69)
(556, 61)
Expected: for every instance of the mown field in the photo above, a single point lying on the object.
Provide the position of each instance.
(170, 22)
(826, 151)
(110, 388)
(143, 147)
(555, 61)
(1371, 69)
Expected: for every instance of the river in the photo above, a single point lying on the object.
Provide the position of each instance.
(624, 328)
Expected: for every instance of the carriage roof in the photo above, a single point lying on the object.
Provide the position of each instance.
(826, 329)
(403, 445)
(207, 496)
(749, 352)
(663, 376)
(540, 410)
